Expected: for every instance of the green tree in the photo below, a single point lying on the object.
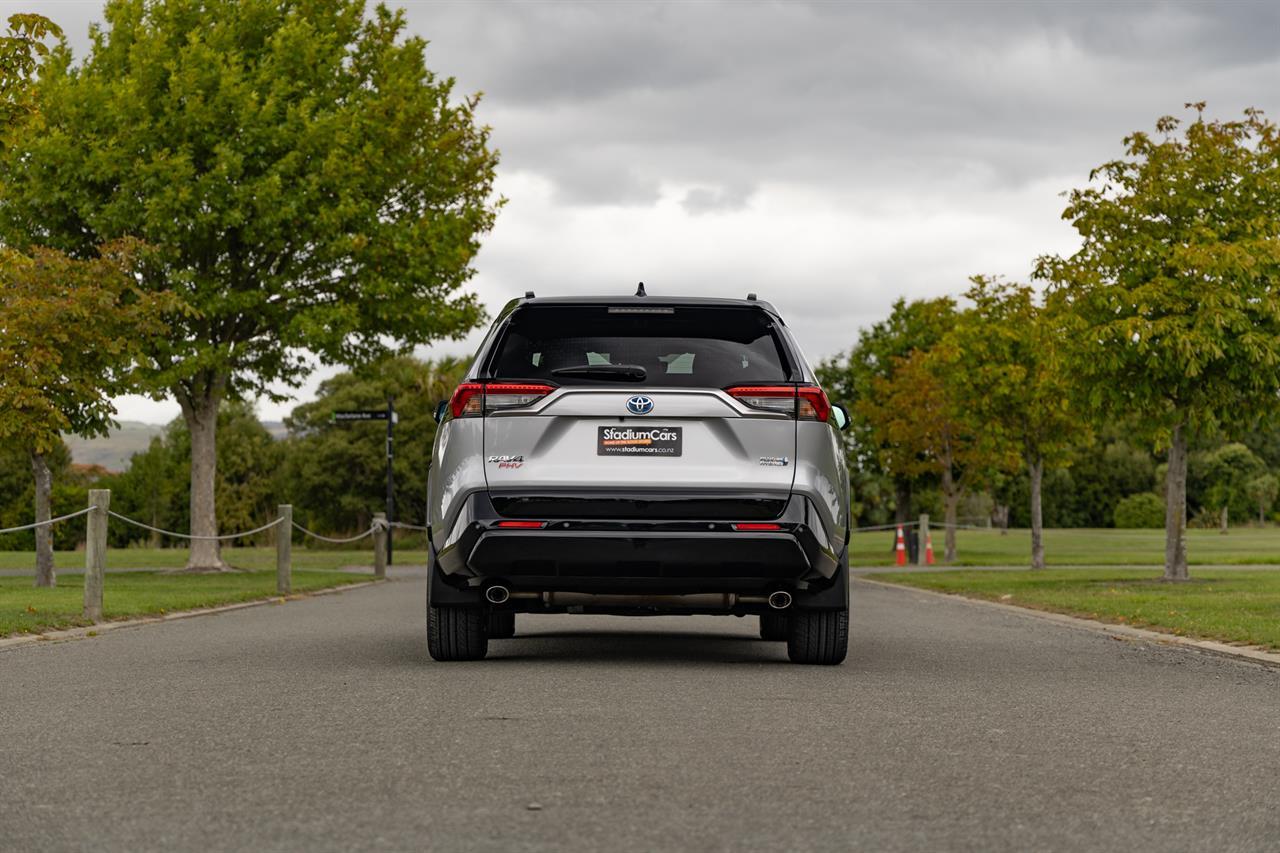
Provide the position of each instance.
(1007, 374)
(1262, 490)
(248, 486)
(336, 471)
(309, 186)
(21, 48)
(1221, 477)
(70, 334)
(851, 378)
(1169, 309)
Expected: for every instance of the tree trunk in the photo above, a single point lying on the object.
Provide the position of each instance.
(1175, 516)
(45, 575)
(1222, 527)
(1035, 467)
(902, 500)
(951, 504)
(201, 415)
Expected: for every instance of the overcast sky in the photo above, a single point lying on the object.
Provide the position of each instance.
(829, 156)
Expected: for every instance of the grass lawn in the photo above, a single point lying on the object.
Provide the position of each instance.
(1084, 547)
(1234, 605)
(253, 559)
(25, 609)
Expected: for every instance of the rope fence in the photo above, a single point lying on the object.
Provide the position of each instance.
(222, 538)
(99, 513)
(47, 522)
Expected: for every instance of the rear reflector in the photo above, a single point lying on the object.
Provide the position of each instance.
(748, 526)
(523, 525)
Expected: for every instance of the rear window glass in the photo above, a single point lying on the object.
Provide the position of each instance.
(706, 347)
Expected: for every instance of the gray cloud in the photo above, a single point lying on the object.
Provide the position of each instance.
(829, 155)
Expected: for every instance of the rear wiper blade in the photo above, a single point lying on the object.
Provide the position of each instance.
(619, 372)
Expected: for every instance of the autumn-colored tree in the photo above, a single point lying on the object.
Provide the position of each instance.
(1170, 310)
(852, 377)
(923, 428)
(70, 334)
(1007, 374)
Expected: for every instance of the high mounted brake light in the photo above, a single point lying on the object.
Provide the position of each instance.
(471, 399)
(806, 402)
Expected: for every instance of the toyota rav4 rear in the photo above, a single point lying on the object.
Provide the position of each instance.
(639, 455)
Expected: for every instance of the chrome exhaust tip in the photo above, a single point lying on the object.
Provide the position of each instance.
(780, 600)
(497, 594)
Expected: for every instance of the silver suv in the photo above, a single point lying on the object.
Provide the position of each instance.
(639, 455)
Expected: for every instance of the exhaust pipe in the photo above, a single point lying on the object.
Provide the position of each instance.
(497, 594)
(780, 600)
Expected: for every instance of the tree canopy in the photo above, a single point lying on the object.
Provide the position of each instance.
(310, 190)
(1169, 311)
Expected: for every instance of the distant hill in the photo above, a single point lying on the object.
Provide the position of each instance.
(113, 451)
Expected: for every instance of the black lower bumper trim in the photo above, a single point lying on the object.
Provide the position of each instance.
(622, 556)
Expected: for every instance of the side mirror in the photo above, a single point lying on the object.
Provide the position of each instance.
(841, 416)
(441, 408)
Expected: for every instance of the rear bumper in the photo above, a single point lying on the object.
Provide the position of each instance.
(638, 557)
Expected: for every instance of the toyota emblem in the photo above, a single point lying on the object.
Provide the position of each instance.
(640, 405)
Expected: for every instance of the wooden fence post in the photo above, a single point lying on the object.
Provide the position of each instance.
(922, 531)
(95, 552)
(380, 535)
(284, 550)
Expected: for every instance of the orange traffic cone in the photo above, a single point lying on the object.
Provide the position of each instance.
(928, 548)
(901, 548)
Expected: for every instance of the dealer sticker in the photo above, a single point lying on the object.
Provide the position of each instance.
(639, 441)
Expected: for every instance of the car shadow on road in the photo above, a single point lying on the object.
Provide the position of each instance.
(637, 646)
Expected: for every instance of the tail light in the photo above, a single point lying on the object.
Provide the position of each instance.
(522, 525)
(755, 526)
(471, 399)
(806, 402)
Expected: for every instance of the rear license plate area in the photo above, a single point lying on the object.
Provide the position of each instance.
(642, 441)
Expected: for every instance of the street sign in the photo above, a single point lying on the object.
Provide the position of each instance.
(379, 415)
(389, 415)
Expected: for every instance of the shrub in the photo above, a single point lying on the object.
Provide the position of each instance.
(1144, 509)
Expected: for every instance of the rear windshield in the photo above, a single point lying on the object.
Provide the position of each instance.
(700, 346)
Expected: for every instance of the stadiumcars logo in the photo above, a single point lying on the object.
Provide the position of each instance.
(639, 441)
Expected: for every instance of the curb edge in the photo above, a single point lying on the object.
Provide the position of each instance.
(1252, 654)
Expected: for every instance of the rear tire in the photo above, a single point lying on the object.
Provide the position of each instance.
(502, 624)
(774, 626)
(818, 636)
(457, 633)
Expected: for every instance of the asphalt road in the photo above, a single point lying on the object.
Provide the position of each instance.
(323, 725)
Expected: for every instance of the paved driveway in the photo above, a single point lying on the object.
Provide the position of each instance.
(322, 724)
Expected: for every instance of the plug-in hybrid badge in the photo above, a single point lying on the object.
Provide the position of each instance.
(640, 405)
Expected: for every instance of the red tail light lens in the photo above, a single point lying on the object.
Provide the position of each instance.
(806, 402)
(523, 525)
(748, 526)
(471, 399)
(814, 404)
(467, 399)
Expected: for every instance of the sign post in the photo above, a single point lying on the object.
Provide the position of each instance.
(388, 415)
